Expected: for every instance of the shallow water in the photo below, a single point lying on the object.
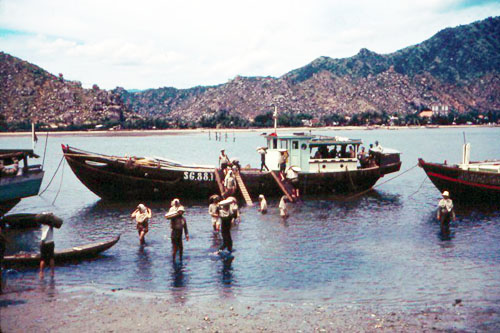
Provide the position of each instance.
(381, 248)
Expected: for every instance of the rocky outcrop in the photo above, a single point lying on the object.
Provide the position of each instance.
(28, 93)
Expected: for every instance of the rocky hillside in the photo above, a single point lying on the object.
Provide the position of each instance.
(28, 93)
(458, 67)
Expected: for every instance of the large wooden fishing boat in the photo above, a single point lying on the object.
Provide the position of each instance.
(320, 172)
(17, 182)
(467, 182)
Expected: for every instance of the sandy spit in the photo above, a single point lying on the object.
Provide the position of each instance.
(224, 130)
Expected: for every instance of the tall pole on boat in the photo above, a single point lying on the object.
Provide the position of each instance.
(33, 136)
(275, 117)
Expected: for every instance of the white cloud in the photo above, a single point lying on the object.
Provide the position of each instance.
(149, 44)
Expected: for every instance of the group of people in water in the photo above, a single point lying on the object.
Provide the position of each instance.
(224, 214)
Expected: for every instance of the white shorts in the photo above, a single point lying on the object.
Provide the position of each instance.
(216, 221)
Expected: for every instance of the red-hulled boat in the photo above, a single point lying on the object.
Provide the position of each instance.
(112, 177)
(467, 182)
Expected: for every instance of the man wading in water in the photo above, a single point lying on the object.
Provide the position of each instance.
(142, 215)
(445, 213)
(178, 224)
(226, 214)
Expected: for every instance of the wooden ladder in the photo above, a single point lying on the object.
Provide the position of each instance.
(243, 188)
(219, 181)
(286, 189)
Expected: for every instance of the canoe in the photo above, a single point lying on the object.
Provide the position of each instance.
(74, 253)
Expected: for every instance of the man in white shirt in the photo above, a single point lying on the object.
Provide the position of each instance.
(47, 249)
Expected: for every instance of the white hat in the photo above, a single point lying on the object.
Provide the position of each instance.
(175, 201)
(446, 194)
(142, 208)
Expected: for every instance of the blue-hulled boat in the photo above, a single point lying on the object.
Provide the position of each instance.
(17, 181)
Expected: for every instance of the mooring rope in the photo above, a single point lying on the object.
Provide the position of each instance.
(60, 184)
(50, 182)
(421, 184)
(388, 180)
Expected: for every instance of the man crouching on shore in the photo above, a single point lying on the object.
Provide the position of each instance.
(178, 224)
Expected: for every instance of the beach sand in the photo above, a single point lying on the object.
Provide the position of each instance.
(47, 308)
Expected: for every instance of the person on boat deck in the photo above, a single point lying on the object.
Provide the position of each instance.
(445, 211)
(352, 153)
(283, 207)
(213, 210)
(226, 214)
(363, 157)
(142, 215)
(11, 170)
(235, 164)
(47, 249)
(177, 224)
(333, 152)
(293, 177)
(262, 204)
(262, 151)
(282, 163)
(317, 155)
(224, 160)
(229, 184)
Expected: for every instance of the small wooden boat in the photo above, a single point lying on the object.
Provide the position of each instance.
(467, 182)
(74, 253)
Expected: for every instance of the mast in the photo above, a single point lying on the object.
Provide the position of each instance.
(275, 117)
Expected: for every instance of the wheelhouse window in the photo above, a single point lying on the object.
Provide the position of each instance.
(284, 144)
(295, 145)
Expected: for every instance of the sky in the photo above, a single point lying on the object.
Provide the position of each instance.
(186, 43)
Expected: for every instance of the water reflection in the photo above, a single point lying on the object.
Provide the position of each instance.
(178, 278)
(143, 264)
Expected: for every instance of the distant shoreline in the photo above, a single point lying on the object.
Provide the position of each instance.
(178, 131)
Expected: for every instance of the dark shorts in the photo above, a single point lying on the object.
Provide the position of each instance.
(142, 227)
(282, 167)
(47, 251)
(176, 237)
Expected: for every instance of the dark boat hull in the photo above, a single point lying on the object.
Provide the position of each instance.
(74, 253)
(464, 186)
(116, 179)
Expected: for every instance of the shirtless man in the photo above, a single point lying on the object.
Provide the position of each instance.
(178, 225)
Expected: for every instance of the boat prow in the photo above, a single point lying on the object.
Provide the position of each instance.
(477, 184)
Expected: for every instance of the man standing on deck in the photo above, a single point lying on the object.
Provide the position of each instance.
(445, 212)
(177, 224)
(262, 151)
(224, 160)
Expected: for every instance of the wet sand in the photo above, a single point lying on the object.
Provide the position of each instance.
(46, 308)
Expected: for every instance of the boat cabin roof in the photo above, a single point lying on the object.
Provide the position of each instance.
(17, 153)
(316, 140)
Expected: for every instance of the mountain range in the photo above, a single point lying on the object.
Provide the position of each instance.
(457, 68)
